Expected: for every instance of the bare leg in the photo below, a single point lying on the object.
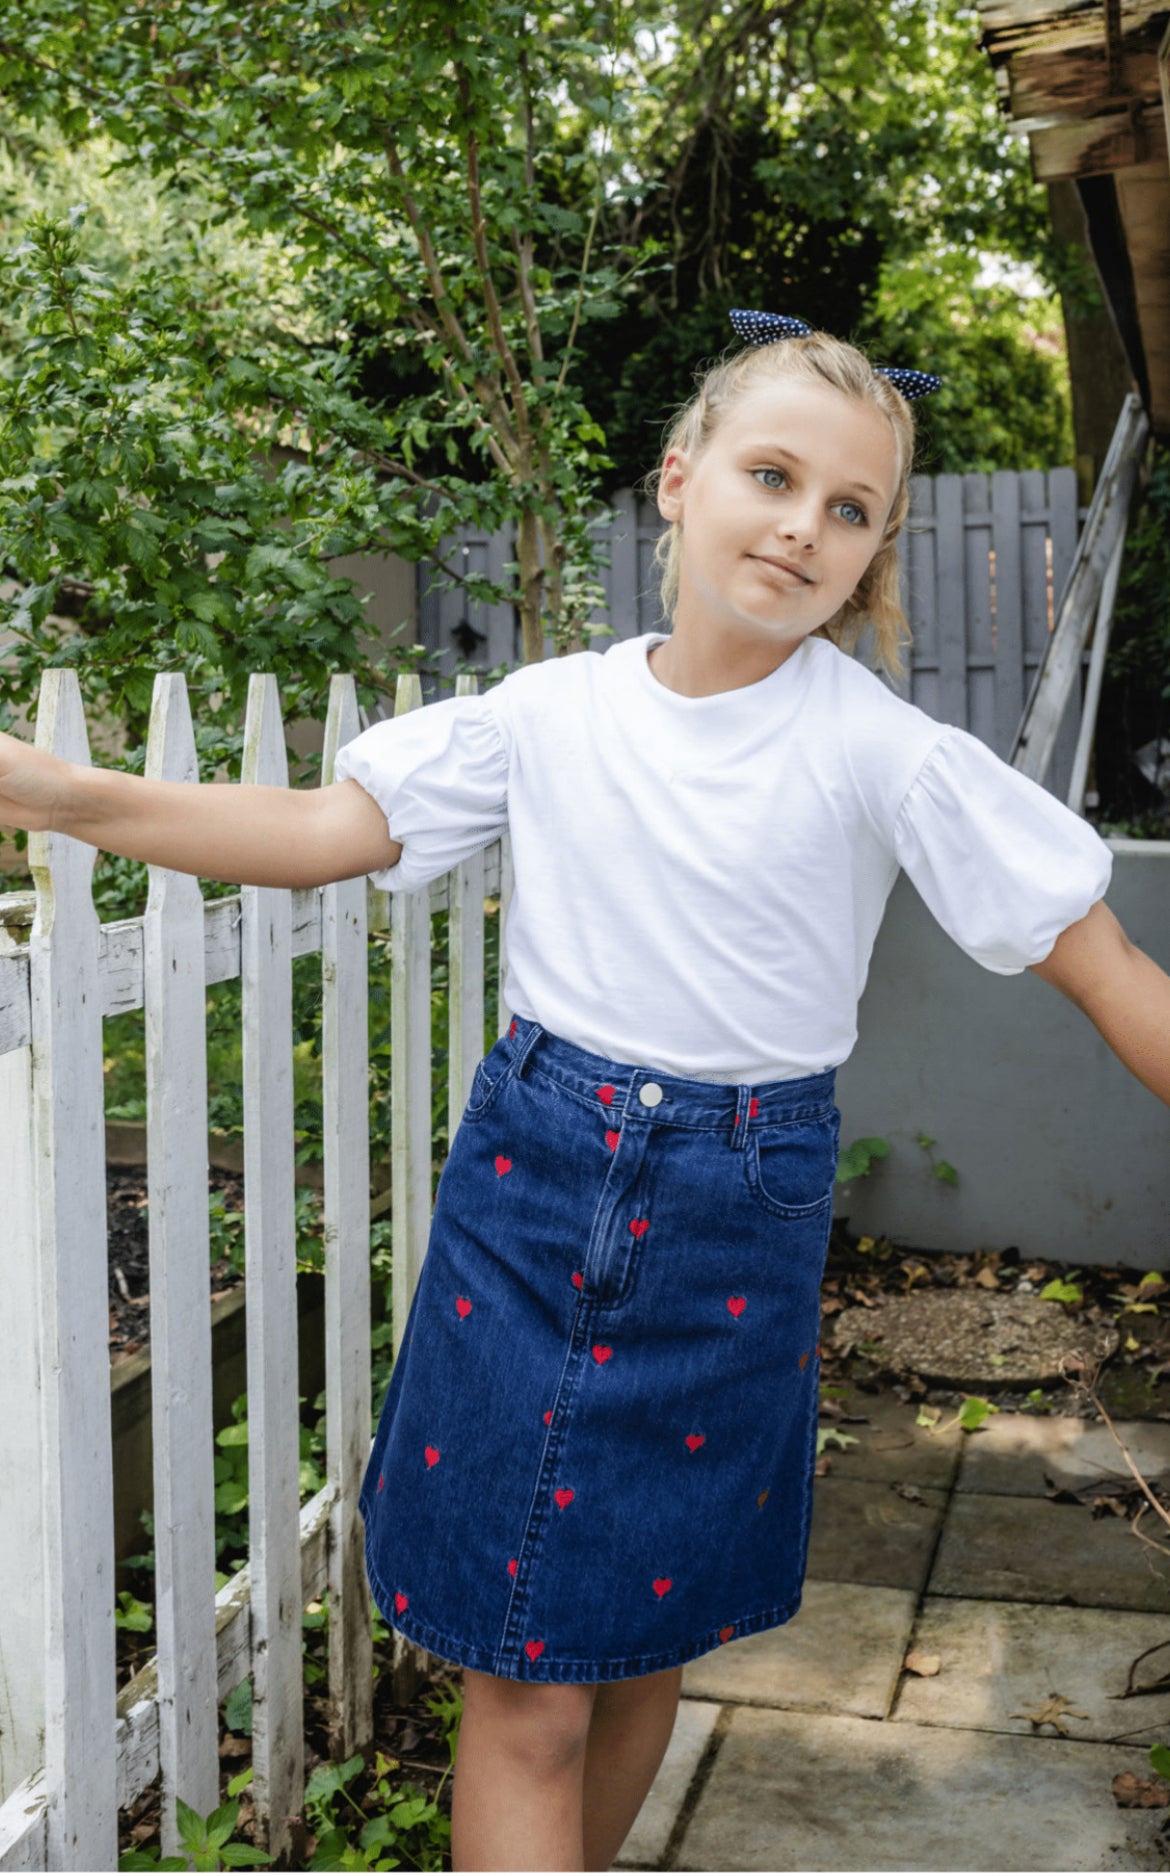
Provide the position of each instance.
(628, 1736)
(519, 1775)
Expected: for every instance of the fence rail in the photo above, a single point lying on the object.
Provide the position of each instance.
(984, 560)
(72, 1748)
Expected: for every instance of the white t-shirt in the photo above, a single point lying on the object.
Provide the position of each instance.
(698, 881)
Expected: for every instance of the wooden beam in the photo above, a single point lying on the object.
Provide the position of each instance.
(1099, 144)
(1106, 524)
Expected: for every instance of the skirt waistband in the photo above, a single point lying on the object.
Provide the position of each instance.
(667, 1100)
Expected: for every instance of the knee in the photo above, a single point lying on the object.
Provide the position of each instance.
(544, 1728)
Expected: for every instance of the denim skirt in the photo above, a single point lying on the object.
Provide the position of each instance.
(596, 1452)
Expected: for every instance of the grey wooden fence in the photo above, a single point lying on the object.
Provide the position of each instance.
(984, 560)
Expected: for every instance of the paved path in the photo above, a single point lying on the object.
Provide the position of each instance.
(809, 1748)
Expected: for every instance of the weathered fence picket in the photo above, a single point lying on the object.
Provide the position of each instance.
(345, 1069)
(77, 1483)
(274, 1457)
(175, 998)
(102, 1747)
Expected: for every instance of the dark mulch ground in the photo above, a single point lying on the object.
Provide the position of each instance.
(130, 1259)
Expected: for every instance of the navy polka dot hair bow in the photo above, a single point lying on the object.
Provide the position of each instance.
(763, 328)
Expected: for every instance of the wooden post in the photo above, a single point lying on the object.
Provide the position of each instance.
(78, 1479)
(174, 997)
(345, 1100)
(270, 1238)
(465, 980)
(410, 1148)
(22, 1629)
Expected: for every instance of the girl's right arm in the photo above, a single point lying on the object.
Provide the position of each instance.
(248, 834)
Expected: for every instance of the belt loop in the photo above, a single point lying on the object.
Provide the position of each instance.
(523, 1043)
(743, 1097)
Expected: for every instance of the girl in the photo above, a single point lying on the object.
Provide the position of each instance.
(594, 1461)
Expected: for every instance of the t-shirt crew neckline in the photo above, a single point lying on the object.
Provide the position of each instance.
(765, 690)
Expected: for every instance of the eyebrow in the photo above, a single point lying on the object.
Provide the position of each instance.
(775, 450)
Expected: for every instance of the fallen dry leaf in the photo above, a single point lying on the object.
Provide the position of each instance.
(1132, 1792)
(987, 1279)
(916, 1663)
(1049, 1712)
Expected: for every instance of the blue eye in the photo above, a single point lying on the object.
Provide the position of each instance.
(771, 472)
(859, 511)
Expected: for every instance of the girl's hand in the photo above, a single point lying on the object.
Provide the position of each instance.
(34, 786)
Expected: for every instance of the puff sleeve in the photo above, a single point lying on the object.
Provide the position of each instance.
(1001, 863)
(440, 776)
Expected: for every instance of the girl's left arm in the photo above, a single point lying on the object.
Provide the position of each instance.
(1121, 990)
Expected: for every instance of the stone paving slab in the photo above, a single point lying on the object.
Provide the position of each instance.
(1001, 1657)
(865, 1532)
(1012, 1452)
(646, 1844)
(842, 1652)
(996, 1547)
(892, 1446)
(809, 1791)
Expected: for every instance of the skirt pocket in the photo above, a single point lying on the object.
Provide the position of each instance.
(790, 1168)
(490, 1077)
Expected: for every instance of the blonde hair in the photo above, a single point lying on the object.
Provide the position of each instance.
(876, 599)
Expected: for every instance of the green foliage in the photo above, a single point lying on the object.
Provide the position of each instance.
(1063, 1290)
(206, 1841)
(942, 1168)
(395, 161)
(856, 1162)
(849, 165)
(1160, 1760)
(974, 1412)
(406, 1819)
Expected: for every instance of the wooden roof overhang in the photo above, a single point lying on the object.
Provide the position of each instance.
(1088, 82)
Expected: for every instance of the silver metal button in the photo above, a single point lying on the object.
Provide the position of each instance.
(650, 1094)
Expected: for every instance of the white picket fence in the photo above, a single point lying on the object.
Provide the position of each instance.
(72, 1749)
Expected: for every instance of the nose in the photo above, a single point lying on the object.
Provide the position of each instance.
(800, 523)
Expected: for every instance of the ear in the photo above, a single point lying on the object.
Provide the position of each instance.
(671, 484)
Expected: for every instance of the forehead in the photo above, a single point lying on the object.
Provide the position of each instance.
(835, 433)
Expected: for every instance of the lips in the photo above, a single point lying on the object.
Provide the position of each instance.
(783, 566)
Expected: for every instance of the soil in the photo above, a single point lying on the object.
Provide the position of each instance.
(129, 1255)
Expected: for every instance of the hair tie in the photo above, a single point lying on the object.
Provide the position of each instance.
(765, 328)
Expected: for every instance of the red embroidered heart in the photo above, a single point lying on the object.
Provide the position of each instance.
(639, 1226)
(564, 1496)
(432, 1455)
(661, 1585)
(803, 1362)
(601, 1352)
(401, 1602)
(737, 1304)
(513, 1565)
(725, 1634)
(502, 1165)
(533, 1649)
(611, 1138)
(578, 1279)
(463, 1306)
(548, 1416)
(381, 1480)
(512, 1028)
(607, 1093)
(695, 1440)
(753, 1107)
